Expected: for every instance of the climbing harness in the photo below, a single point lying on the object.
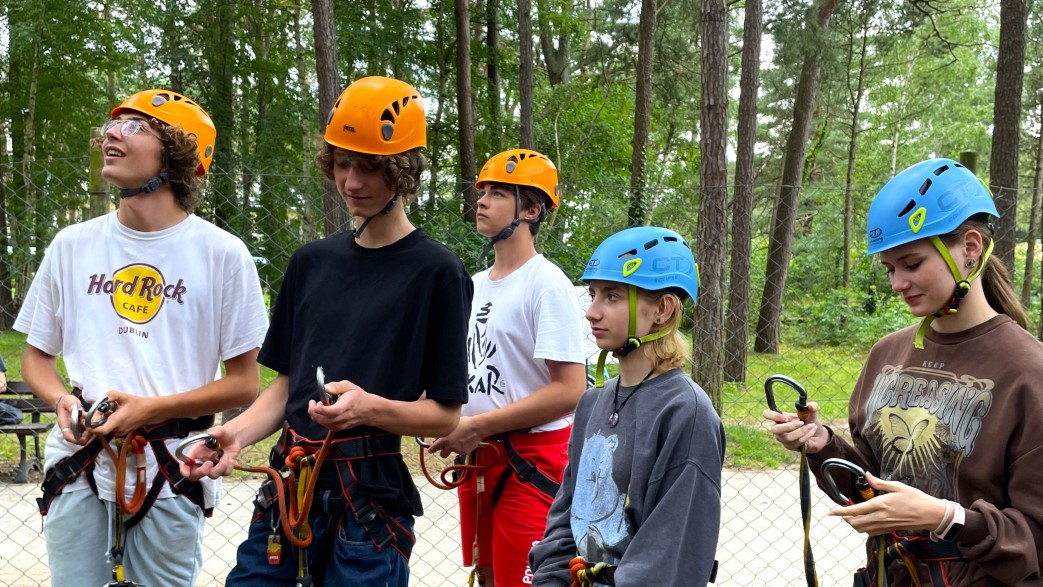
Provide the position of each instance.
(805, 477)
(128, 449)
(496, 450)
(890, 546)
(293, 491)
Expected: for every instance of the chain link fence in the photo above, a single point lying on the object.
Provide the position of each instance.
(761, 534)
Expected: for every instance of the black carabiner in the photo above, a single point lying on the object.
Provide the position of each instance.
(863, 487)
(802, 394)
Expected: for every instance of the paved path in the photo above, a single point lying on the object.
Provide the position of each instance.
(760, 541)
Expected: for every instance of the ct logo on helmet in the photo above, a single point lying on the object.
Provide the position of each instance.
(593, 264)
(664, 264)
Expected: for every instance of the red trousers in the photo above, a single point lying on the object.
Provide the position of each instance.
(498, 536)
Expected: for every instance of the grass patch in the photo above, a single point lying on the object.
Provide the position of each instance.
(753, 448)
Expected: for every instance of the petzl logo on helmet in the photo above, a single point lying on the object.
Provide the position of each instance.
(917, 219)
(349, 128)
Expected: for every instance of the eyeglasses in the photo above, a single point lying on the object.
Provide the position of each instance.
(128, 127)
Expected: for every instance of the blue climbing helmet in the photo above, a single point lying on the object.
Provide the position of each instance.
(929, 200)
(648, 257)
(645, 257)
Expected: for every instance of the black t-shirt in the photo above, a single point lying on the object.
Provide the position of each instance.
(392, 320)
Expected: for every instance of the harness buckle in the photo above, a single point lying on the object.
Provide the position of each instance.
(366, 513)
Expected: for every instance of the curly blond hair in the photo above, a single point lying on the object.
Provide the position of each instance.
(401, 172)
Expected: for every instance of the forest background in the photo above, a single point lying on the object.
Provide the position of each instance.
(760, 131)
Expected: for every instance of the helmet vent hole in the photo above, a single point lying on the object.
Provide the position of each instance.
(651, 243)
(670, 239)
(908, 208)
(941, 170)
(925, 186)
(628, 254)
(387, 116)
(397, 108)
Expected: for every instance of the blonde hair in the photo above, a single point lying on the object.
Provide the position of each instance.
(672, 351)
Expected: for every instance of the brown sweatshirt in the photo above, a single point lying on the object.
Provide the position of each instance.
(961, 419)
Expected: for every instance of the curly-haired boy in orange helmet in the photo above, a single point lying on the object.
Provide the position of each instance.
(143, 304)
(382, 311)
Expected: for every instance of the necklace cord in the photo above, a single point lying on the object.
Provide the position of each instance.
(618, 407)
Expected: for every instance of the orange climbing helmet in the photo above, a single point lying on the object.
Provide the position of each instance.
(378, 116)
(523, 167)
(178, 111)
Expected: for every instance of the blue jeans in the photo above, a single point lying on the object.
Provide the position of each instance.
(354, 561)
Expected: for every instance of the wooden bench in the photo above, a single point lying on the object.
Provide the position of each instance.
(20, 396)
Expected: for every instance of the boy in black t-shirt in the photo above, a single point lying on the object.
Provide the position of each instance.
(383, 312)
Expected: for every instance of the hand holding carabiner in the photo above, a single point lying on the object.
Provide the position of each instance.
(208, 454)
(794, 430)
(896, 506)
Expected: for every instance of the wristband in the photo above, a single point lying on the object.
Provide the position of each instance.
(952, 529)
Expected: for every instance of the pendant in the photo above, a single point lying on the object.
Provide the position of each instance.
(613, 420)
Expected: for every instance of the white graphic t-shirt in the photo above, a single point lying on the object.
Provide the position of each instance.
(517, 323)
(145, 313)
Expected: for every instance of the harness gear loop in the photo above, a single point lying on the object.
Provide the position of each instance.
(585, 574)
(805, 476)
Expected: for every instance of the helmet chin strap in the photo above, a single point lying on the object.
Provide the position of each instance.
(357, 233)
(152, 185)
(960, 291)
(632, 343)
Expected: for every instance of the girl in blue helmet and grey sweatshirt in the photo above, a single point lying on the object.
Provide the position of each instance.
(945, 415)
(640, 502)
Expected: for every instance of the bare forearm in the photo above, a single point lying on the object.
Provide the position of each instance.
(236, 389)
(264, 416)
(424, 417)
(40, 372)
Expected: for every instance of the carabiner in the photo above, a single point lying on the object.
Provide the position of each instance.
(103, 406)
(76, 420)
(207, 440)
(324, 396)
(421, 442)
(802, 395)
(863, 487)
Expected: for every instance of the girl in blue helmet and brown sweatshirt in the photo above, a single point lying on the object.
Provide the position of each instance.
(944, 416)
(640, 502)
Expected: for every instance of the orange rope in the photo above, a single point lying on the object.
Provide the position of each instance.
(134, 443)
(294, 517)
(445, 482)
